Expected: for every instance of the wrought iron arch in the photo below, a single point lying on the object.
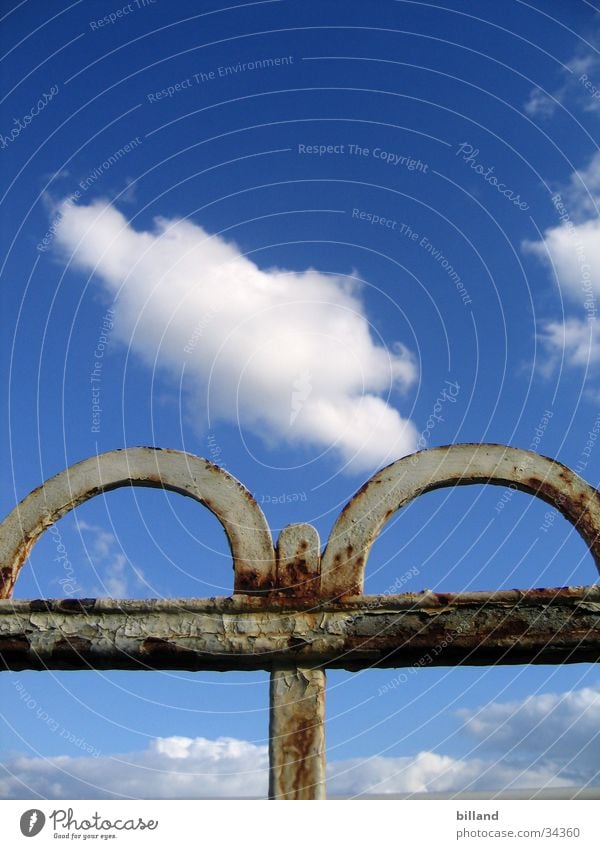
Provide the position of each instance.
(294, 612)
(243, 520)
(391, 489)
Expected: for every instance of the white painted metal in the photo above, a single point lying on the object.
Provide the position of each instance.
(345, 557)
(297, 734)
(240, 515)
(293, 612)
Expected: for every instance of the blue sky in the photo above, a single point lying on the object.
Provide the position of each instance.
(283, 236)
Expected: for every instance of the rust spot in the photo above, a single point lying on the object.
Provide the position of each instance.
(39, 605)
(293, 573)
(7, 582)
(25, 550)
(248, 580)
(80, 605)
(445, 598)
(542, 593)
(349, 592)
(298, 568)
(163, 653)
(71, 645)
(360, 493)
(303, 741)
(14, 645)
(299, 749)
(297, 643)
(573, 507)
(551, 494)
(297, 578)
(247, 577)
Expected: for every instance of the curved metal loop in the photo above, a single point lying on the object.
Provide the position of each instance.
(243, 520)
(343, 565)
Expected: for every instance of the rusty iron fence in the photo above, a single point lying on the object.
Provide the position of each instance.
(294, 611)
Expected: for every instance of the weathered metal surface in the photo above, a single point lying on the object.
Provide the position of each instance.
(297, 733)
(343, 563)
(534, 626)
(294, 613)
(240, 515)
(298, 557)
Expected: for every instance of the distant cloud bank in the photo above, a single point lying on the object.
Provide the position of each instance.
(544, 741)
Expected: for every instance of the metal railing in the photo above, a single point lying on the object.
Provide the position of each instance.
(294, 611)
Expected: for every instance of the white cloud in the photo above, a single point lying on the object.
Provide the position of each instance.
(540, 104)
(549, 740)
(190, 299)
(430, 772)
(571, 249)
(182, 767)
(573, 339)
(170, 768)
(538, 722)
(580, 86)
(111, 565)
(571, 252)
(560, 730)
(583, 192)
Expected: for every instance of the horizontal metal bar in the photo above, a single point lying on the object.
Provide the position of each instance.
(245, 633)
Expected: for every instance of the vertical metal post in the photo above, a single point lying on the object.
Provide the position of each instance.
(297, 734)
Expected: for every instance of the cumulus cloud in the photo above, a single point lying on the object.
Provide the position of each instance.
(571, 252)
(558, 730)
(170, 768)
(546, 741)
(571, 248)
(288, 354)
(583, 190)
(188, 768)
(430, 772)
